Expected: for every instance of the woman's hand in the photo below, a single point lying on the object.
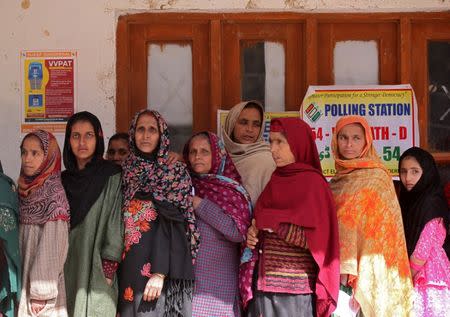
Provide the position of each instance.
(173, 157)
(37, 305)
(252, 235)
(196, 201)
(108, 281)
(154, 287)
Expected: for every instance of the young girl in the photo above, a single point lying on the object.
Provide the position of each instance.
(96, 227)
(426, 221)
(44, 226)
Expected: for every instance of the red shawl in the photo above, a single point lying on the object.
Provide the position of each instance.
(41, 196)
(299, 194)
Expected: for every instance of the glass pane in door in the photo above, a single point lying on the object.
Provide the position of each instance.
(439, 95)
(169, 88)
(263, 74)
(356, 63)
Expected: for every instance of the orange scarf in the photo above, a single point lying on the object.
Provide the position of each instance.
(372, 243)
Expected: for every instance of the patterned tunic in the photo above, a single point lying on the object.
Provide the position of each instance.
(432, 281)
(44, 250)
(216, 268)
(286, 265)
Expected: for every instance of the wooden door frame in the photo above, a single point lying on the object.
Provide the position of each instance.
(406, 69)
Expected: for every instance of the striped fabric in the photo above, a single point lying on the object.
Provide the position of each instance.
(286, 267)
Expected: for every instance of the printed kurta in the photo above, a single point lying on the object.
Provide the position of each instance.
(223, 217)
(99, 236)
(432, 281)
(216, 269)
(44, 248)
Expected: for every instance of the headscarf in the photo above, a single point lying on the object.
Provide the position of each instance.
(152, 174)
(222, 184)
(41, 196)
(83, 187)
(372, 242)
(368, 157)
(425, 201)
(254, 161)
(298, 194)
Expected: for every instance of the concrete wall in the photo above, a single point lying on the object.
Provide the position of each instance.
(89, 27)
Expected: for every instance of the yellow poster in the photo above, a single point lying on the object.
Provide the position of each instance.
(48, 81)
(390, 110)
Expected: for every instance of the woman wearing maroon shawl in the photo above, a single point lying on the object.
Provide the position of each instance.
(295, 231)
(222, 207)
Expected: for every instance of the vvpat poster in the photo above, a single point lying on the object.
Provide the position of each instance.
(49, 90)
(391, 111)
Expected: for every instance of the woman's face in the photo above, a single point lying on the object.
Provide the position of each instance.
(83, 141)
(410, 172)
(32, 155)
(281, 151)
(200, 155)
(248, 126)
(351, 141)
(147, 133)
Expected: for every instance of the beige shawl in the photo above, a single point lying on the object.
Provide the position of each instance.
(254, 161)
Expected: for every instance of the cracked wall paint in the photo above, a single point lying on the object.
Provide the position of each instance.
(25, 4)
(295, 4)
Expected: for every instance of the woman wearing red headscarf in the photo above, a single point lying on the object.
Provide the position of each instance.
(295, 231)
(44, 227)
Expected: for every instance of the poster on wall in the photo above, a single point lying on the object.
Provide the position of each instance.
(391, 111)
(48, 89)
(222, 115)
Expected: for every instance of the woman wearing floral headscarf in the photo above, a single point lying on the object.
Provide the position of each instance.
(223, 208)
(92, 186)
(374, 261)
(161, 238)
(44, 226)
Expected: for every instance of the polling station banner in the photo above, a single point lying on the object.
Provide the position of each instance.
(222, 115)
(390, 110)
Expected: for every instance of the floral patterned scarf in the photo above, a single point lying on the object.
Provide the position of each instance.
(167, 183)
(222, 185)
(41, 196)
